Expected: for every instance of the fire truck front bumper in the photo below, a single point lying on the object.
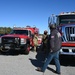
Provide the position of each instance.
(67, 51)
(68, 48)
(7, 47)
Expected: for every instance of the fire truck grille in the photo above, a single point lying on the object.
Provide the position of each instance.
(10, 40)
(70, 33)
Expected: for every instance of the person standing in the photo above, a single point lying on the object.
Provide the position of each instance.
(35, 41)
(55, 45)
(44, 41)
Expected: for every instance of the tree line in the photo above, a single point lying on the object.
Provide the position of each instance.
(5, 30)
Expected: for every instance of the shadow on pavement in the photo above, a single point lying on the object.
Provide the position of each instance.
(64, 60)
(39, 58)
(39, 61)
(67, 60)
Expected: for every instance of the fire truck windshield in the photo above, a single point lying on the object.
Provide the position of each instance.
(65, 19)
(25, 32)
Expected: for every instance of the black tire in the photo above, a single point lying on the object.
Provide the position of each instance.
(4, 51)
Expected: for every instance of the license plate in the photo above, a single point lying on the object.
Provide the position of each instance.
(7, 46)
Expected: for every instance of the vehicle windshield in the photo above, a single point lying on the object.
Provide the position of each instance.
(25, 32)
(66, 19)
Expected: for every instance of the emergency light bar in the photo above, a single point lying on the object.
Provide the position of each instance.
(67, 13)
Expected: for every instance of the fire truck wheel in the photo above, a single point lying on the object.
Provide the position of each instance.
(27, 49)
(4, 50)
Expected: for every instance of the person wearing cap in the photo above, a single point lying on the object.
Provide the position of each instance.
(55, 46)
(44, 41)
(35, 41)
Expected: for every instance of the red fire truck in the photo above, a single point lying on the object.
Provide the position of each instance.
(65, 22)
(20, 38)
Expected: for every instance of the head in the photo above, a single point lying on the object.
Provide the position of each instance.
(45, 32)
(52, 26)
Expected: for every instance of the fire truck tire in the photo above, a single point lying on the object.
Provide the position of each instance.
(27, 49)
(4, 51)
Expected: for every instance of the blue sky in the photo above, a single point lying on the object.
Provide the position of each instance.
(32, 12)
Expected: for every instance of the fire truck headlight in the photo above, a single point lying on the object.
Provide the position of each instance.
(23, 41)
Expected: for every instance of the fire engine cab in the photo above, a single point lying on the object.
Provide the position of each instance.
(65, 22)
(20, 38)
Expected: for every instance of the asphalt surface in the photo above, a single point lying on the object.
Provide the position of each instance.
(20, 64)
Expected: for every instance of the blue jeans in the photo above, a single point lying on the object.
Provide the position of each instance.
(51, 56)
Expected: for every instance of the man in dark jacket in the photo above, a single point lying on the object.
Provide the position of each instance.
(55, 45)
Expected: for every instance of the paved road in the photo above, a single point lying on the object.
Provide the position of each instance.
(21, 64)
